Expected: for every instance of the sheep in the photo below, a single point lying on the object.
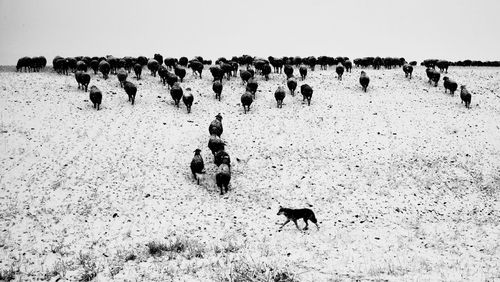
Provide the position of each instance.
(197, 165)
(252, 86)
(215, 127)
(215, 144)
(196, 66)
(71, 63)
(94, 65)
(122, 76)
(303, 72)
(246, 101)
(339, 70)
(153, 66)
(292, 85)
(81, 66)
(364, 80)
(183, 61)
(433, 75)
(170, 62)
(180, 72)
(217, 73)
(138, 70)
(443, 65)
(217, 88)
(188, 98)
(226, 69)
(78, 75)
(163, 74)
(408, 70)
(289, 71)
(223, 177)
(307, 92)
(159, 59)
(449, 85)
(171, 79)
(222, 157)
(176, 93)
(279, 95)
(24, 62)
(113, 63)
(348, 65)
(465, 96)
(85, 80)
(245, 75)
(131, 90)
(104, 68)
(266, 70)
(95, 96)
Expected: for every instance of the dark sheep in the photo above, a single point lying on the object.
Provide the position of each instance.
(71, 63)
(408, 70)
(78, 78)
(377, 63)
(81, 66)
(196, 66)
(449, 85)
(252, 86)
(188, 99)
(217, 73)
(215, 127)
(292, 85)
(217, 88)
(60, 65)
(131, 91)
(443, 65)
(433, 75)
(347, 65)
(180, 72)
(163, 74)
(142, 60)
(104, 68)
(84, 80)
(303, 72)
(138, 70)
(222, 157)
(183, 61)
(171, 79)
(223, 177)
(339, 70)
(197, 165)
(289, 71)
(307, 92)
(227, 69)
(364, 80)
(279, 95)
(169, 62)
(245, 75)
(122, 76)
(266, 70)
(246, 101)
(465, 96)
(153, 66)
(94, 65)
(176, 93)
(113, 63)
(159, 59)
(95, 96)
(215, 144)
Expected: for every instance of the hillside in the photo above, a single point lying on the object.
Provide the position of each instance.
(404, 180)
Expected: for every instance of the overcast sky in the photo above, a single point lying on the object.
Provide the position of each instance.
(446, 29)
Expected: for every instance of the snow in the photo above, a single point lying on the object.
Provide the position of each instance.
(404, 180)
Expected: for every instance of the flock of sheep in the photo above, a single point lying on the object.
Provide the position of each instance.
(247, 67)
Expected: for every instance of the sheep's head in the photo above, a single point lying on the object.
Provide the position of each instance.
(197, 151)
(446, 78)
(218, 117)
(462, 86)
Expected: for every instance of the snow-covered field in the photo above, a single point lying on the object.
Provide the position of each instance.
(404, 180)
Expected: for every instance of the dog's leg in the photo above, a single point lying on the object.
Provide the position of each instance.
(287, 221)
(296, 225)
(305, 220)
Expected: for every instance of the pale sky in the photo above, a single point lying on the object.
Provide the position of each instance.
(418, 29)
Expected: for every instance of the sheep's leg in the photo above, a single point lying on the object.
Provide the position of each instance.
(307, 225)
